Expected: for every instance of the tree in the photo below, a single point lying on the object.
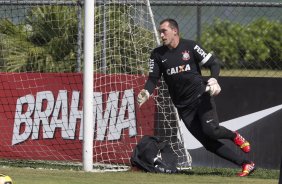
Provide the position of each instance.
(128, 41)
(254, 46)
(44, 42)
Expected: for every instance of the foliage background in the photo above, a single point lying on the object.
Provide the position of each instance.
(255, 46)
(46, 39)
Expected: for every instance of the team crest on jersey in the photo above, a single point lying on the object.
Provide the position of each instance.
(185, 55)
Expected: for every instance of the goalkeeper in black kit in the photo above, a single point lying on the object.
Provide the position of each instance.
(179, 61)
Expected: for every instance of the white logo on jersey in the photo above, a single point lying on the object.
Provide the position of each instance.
(210, 120)
(185, 55)
(178, 69)
(200, 51)
(164, 60)
(151, 65)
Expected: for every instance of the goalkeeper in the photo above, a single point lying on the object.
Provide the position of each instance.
(178, 61)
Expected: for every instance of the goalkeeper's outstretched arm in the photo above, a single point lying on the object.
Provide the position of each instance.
(154, 76)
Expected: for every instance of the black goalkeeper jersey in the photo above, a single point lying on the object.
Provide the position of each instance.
(180, 68)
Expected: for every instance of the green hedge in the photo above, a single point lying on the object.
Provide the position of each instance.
(256, 45)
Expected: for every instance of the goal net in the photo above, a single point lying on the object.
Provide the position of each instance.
(41, 103)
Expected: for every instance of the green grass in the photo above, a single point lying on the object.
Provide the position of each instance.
(197, 175)
(247, 73)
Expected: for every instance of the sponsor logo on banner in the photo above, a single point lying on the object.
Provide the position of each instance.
(39, 118)
(57, 115)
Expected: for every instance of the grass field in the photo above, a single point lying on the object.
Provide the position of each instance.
(197, 175)
(247, 73)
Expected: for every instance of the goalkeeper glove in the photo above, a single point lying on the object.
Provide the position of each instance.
(142, 97)
(213, 87)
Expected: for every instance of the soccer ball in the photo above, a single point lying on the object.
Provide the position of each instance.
(4, 179)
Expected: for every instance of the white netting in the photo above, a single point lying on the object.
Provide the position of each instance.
(41, 95)
(126, 39)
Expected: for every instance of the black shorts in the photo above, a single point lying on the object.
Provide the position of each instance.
(203, 109)
(201, 120)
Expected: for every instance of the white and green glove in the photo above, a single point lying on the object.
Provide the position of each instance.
(213, 87)
(142, 97)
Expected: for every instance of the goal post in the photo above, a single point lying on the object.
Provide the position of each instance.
(53, 112)
(88, 130)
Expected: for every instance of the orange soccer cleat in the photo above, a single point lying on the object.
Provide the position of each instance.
(247, 169)
(242, 143)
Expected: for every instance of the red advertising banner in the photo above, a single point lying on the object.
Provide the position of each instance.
(42, 116)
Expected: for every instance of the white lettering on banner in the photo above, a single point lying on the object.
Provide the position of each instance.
(23, 119)
(48, 115)
(122, 122)
(41, 115)
(200, 51)
(75, 115)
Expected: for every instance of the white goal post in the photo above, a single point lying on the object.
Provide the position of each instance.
(88, 130)
(54, 112)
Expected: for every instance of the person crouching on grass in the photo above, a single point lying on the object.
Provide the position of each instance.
(178, 61)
